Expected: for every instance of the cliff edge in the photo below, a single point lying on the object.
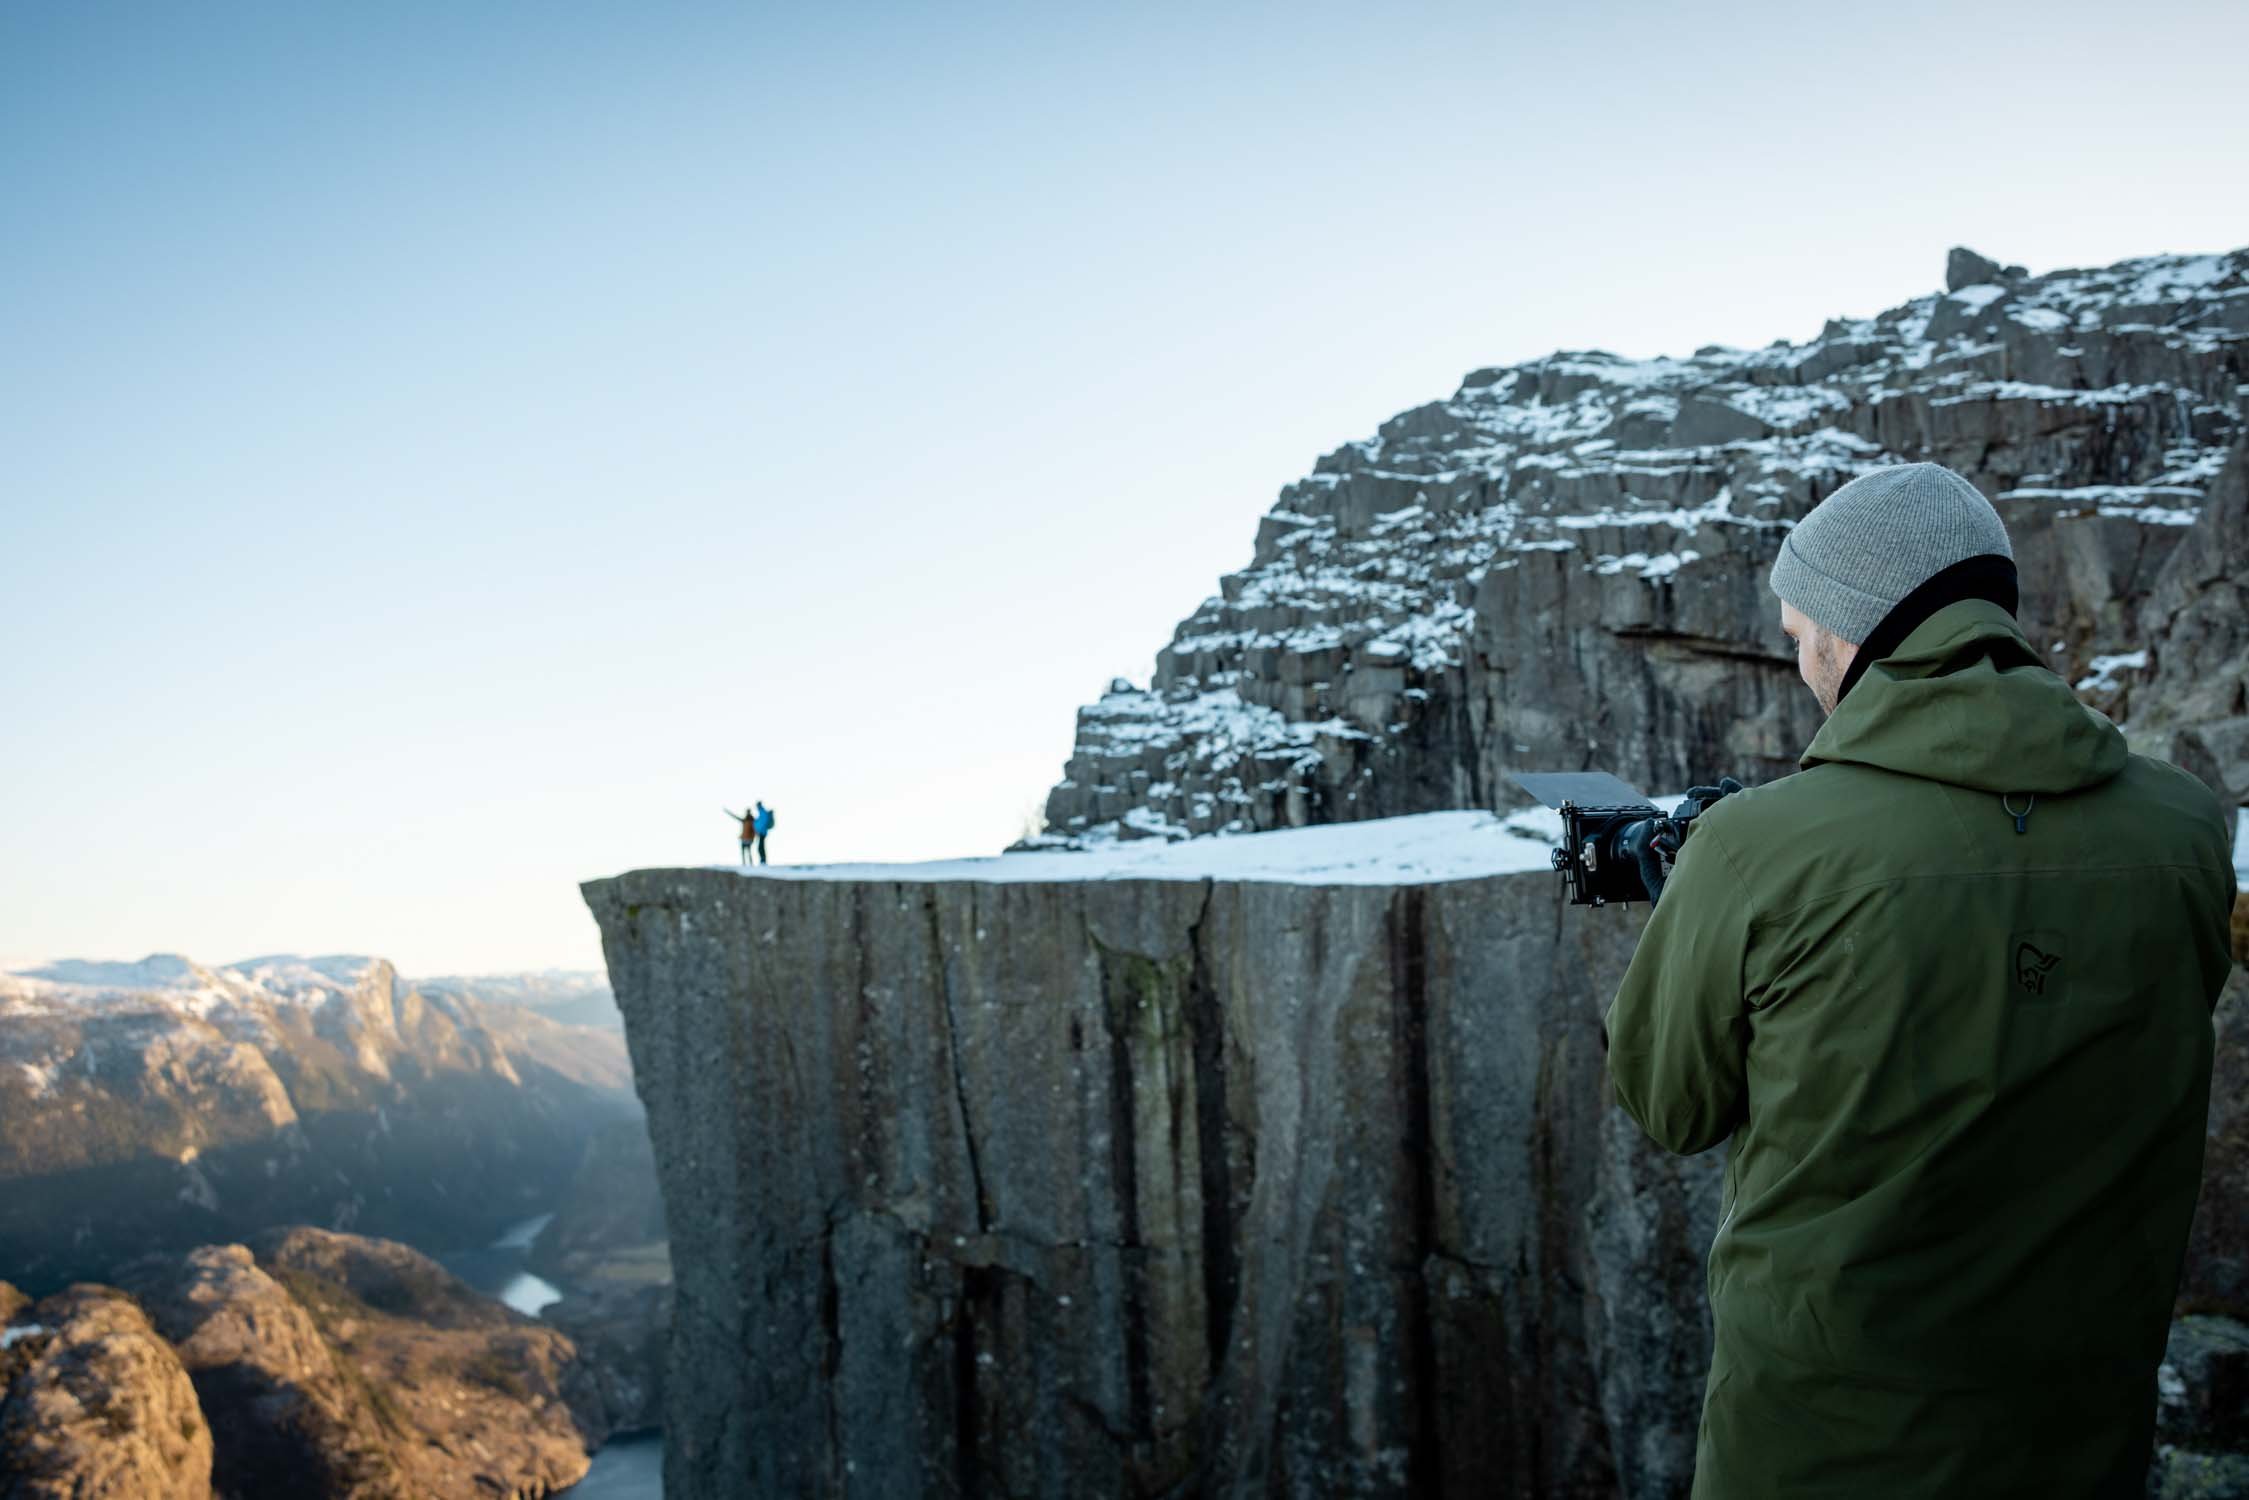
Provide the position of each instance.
(1280, 1164)
(1092, 1174)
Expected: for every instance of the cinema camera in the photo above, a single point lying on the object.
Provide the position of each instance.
(1617, 845)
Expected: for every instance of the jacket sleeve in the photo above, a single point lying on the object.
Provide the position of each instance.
(1678, 1028)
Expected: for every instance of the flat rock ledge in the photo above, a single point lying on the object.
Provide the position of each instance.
(1248, 1184)
(1154, 1186)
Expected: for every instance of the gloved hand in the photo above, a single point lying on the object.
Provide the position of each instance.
(1652, 843)
(1700, 799)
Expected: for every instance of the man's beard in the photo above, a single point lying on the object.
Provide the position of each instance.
(1827, 680)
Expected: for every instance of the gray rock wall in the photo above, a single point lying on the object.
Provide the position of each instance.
(1142, 1188)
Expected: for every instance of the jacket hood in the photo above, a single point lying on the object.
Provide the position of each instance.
(1965, 700)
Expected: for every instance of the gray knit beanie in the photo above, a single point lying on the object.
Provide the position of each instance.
(1880, 537)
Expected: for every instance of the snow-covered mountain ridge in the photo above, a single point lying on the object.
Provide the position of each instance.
(1562, 563)
(165, 1102)
(285, 978)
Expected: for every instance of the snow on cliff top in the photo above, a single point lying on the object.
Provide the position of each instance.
(1416, 850)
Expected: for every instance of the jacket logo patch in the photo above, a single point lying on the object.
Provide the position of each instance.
(2032, 966)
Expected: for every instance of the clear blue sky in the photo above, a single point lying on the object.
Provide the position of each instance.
(448, 450)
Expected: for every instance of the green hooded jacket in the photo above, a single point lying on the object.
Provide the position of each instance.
(1966, 1074)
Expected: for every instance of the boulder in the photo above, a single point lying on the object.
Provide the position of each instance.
(2202, 1412)
(1964, 267)
(341, 1365)
(94, 1405)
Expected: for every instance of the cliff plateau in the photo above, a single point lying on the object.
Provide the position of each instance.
(1275, 1165)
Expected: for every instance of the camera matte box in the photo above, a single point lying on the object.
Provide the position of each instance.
(1581, 788)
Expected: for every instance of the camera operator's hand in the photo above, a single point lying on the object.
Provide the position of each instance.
(1652, 843)
(1700, 799)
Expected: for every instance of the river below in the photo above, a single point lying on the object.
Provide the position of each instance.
(631, 1468)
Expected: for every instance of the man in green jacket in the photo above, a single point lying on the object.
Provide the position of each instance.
(1947, 990)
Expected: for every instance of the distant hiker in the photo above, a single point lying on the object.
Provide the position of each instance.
(756, 824)
(748, 821)
(1948, 991)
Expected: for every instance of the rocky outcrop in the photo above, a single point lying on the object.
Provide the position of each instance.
(2202, 1412)
(1118, 1186)
(985, 1183)
(165, 1104)
(2194, 709)
(338, 1365)
(1562, 564)
(1965, 268)
(94, 1405)
(287, 1415)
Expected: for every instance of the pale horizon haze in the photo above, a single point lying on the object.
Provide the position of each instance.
(451, 451)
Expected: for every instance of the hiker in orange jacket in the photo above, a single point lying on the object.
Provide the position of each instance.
(748, 821)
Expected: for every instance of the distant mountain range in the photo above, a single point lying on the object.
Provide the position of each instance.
(578, 997)
(163, 1104)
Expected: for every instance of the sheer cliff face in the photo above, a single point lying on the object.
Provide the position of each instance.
(1103, 1186)
(1564, 563)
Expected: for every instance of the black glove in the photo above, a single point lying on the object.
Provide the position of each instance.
(1700, 799)
(1652, 843)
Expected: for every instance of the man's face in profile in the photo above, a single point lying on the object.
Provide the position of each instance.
(1822, 657)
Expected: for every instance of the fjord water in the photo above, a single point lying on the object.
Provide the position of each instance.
(630, 1468)
(500, 1270)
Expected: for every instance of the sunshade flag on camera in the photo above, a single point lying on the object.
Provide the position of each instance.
(1580, 789)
